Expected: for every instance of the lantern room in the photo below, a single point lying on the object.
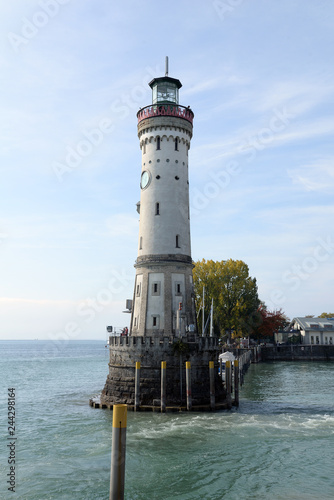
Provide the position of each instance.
(165, 90)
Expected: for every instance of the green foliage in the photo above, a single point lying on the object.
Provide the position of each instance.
(326, 315)
(234, 295)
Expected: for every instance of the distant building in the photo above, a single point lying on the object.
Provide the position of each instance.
(318, 331)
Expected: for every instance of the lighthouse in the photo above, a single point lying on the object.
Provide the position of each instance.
(163, 299)
(163, 360)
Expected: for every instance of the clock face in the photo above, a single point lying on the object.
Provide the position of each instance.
(145, 179)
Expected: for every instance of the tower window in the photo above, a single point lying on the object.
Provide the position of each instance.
(156, 288)
(178, 288)
(144, 148)
(138, 290)
(158, 142)
(155, 321)
(157, 209)
(141, 243)
(177, 241)
(176, 144)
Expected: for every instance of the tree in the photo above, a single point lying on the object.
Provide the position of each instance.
(269, 323)
(326, 315)
(234, 294)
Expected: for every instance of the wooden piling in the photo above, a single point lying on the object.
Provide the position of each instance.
(241, 370)
(188, 385)
(163, 386)
(212, 385)
(236, 382)
(228, 383)
(118, 451)
(137, 386)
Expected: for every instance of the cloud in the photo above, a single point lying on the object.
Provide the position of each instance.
(316, 176)
(299, 96)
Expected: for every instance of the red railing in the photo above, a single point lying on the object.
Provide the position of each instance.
(165, 110)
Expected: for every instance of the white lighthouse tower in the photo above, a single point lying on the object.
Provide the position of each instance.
(163, 301)
(149, 365)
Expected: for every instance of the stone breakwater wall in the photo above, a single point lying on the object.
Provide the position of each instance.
(150, 351)
(298, 353)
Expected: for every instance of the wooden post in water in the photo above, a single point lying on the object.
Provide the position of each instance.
(242, 370)
(236, 382)
(212, 385)
(137, 386)
(163, 386)
(118, 451)
(228, 383)
(188, 385)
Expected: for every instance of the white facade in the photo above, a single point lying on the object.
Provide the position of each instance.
(164, 202)
(163, 301)
(314, 331)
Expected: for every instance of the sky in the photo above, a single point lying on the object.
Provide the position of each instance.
(258, 75)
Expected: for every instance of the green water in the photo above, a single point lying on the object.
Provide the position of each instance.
(277, 445)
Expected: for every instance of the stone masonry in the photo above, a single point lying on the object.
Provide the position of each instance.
(150, 351)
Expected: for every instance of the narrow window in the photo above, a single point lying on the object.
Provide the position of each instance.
(158, 142)
(141, 243)
(135, 322)
(155, 288)
(157, 209)
(155, 321)
(144, 148)
(178, 288)
(177, 241)
(312, 339)
(176, 144)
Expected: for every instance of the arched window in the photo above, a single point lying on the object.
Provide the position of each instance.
(158, 142)
(176, 144)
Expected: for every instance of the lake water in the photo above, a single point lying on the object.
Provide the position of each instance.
(279, 444)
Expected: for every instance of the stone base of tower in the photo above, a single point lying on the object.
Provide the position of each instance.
(150, 351)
